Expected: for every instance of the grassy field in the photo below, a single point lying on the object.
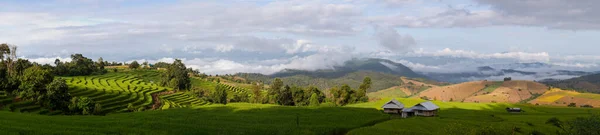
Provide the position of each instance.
(492, 87)
(239, 118)
(468, 118)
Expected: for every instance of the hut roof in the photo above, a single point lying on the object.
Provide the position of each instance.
(425, 106)
(393, 104)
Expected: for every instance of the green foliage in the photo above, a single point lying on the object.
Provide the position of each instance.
(134, 65)
(219, 96)
(578, 126)
(84, 106)
(361, 95)
(176, 76)
(57, 96)
(274, 91)
(79, 66)
(285, 96)
(314, 100)
(300, 96)
(33, 82)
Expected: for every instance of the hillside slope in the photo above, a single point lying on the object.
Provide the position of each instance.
(354, 79)
(558, 97)
(407, 88)
(588, 83)
(486, 91)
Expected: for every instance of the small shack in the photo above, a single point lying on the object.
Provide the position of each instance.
(514, 110)
(393, 107)
(426, 109)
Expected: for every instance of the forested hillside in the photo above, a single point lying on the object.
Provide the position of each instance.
(588, 83)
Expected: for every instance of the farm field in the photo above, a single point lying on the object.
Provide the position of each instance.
(236, 118)
(465, 118)
(115, 91)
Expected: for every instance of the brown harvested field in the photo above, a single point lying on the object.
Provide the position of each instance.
(558, 97)
(509, 91)
(456, 92)
(417, 83)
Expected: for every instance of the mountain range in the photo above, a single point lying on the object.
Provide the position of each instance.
(386, 73)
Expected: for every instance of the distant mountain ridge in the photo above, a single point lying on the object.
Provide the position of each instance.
(384, 74)
(371, 64)
(522, 71)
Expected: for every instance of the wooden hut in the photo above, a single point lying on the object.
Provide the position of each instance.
(426, 109)
(514, 110)
(393, 107)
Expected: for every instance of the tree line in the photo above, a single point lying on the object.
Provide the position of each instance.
(286, 95)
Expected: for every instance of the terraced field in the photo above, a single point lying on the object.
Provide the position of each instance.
(8, 103)
(114, 91)
(179, 100)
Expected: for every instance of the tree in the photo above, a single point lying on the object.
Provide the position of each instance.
(134, 65)
(33, 82)
(345, 95)
(315, 90)
(145, 64)
(299, 96)
(84, 106)
(219, 96)
(361, 95)
(257, 93)
(101, 63)
(57, 95)
(176, 76)
(273, 92)
(285, 96)
(314, 100)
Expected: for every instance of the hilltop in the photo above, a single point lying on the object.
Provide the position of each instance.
(486, 91)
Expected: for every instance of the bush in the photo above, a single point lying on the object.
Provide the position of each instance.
(572, 105)
(587, 106)
(84, 106)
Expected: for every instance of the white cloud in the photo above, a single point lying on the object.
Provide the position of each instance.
(389, 38)
(224, 48)
(521, 56)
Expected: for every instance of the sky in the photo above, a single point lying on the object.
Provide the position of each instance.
(266, 36)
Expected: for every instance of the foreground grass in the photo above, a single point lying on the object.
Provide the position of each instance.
(239, 118)
(471, 118)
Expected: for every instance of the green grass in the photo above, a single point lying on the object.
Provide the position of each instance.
(387, 93)
(492, 87)
(231, 119)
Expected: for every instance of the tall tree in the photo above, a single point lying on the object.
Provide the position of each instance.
(274, 90)
(257, 93)
(315, 90)
(176, 76)
(285, 96)
(57, 96)
(361, 95)
(134, 65)
(299, 96)
(219, 96)
(101, 63)
(314, 100)
(145, 64)
(33, 82)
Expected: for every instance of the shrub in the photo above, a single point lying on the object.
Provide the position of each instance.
(572, 105)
